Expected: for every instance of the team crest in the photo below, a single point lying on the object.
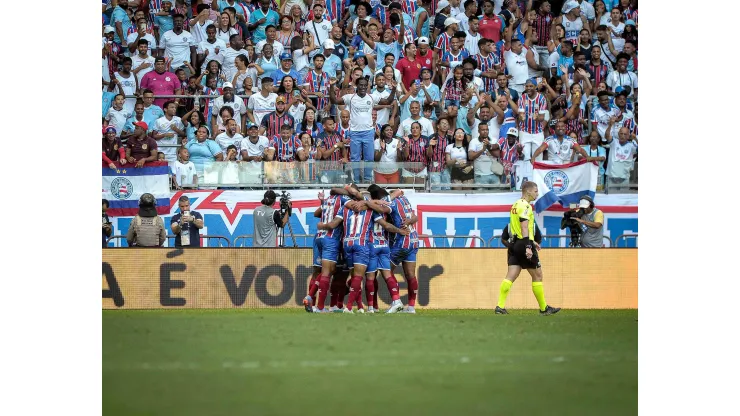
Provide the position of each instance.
(121, 188)
(144, 146)
(557, 181)
(167, 79)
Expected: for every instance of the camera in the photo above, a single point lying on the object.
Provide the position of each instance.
(574, 227)
(284, 200)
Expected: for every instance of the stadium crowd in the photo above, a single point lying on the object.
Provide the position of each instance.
(461, 92)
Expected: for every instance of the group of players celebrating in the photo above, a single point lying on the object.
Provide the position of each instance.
(367, 234)
(364, 234)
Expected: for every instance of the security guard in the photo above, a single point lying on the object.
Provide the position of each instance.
(147, 228)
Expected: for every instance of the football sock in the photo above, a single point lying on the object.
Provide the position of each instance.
(313, 286)
(335, 290)
(355, 292)
(539, 293)
(342, 293)
(370, 291)
(413, 288)
(392, 284)
(324, 282)
(375, 292)
(504, 292)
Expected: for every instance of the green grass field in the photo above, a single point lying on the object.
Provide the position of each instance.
(288, 362)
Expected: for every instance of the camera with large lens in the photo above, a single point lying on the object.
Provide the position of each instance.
(574, 227)
(284, 200)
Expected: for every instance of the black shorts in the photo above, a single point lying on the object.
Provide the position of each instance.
(518, 257)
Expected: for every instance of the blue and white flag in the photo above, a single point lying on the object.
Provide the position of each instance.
(564, 183)
(123, 187)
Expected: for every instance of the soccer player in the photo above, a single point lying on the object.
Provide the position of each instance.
(326, 250)
(380, 251)
(356, 222)
(403, 246)
(524, 251)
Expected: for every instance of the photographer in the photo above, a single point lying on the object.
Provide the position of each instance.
(592, 223)
(267, 219)
(186, 225)
(107, 225)
(570, 221)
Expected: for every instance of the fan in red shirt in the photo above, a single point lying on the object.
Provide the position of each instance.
(112, 148)
(409, 66)
(490, 25)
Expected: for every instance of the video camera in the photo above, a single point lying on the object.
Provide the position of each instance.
(575, 228)
(284, 200)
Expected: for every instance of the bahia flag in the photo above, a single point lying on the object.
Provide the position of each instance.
(564, 183)
(123, 186)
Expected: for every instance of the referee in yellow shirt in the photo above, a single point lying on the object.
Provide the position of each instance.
(523, 254)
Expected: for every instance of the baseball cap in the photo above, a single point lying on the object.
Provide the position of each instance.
(623, 90)
(141, 124)
(358, 54)
(585, 202)
(451, 21)
(250, 125)
(423, 40)
(442, 4)
(109, 29)
(227, 85)
(328, 44)
(285, 55)
(512, 132)
(630, 22)
(109, 129)
(570, 5)
(280, 98)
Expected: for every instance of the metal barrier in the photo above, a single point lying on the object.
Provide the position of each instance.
(625, 237)
(547, 240)
(220, 238)
(497, 239)
(423, 238)
(288, 240)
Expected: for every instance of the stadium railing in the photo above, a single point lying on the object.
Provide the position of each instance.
(443, 241)
(304, 238)
(121, 241)
(624, 238)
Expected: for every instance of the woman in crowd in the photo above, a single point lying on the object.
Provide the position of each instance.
(387, 154)
(286, 32)
(310, 123)
(267, 63)
(192, 120)
(461, 170)
(224, 28)
(203, 151)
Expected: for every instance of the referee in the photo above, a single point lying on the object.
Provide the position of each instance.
(522, 251)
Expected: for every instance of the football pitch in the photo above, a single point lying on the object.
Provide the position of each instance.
(437, 362)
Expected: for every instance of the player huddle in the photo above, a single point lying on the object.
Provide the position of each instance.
(362, 234)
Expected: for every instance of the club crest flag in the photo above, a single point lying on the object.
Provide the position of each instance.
(565, 184)
(124, 185)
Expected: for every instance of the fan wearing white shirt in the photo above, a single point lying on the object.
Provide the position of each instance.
(127, 84)
(228, 99)
(319, 28)
(404, 130)
(262, 103)
(183, 171)
(142, 63)
(621, 77)
(253, 146)
(229, 137)
(117, 114)
(210, 49)
(622, 155)
(271, 37)
(141, 33)
(166, 131)
(200, 23)
(236, 48)
(178, 45)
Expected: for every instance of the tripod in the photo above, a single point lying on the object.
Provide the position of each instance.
(281, 233)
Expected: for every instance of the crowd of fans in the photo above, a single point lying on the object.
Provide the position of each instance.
(461, 92)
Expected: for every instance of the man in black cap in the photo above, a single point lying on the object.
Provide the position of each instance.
(267, 220)
(147, 228)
